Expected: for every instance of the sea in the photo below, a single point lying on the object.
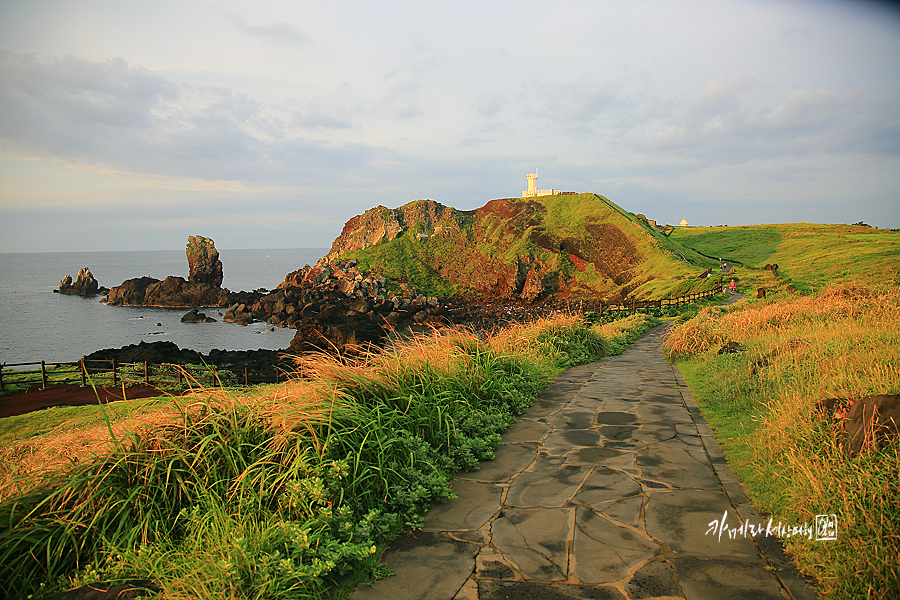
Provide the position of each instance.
(37, 324)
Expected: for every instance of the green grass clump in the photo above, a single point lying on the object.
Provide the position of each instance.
(761, 403)
(285, 492)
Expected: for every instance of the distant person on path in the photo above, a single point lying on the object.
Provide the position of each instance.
(731, 285)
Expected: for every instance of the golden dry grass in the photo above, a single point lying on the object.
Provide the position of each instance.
(293, 407)
(842, 343)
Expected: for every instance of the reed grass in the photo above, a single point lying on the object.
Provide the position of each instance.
(287, 491)
(841, 343)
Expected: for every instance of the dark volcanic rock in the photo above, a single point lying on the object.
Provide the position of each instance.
(203, 260)
(730, 348)
(870, 422)
(131, 292)
(84, 285)
(168, 352)
(173, 292)
(202, 288)
(193, 316)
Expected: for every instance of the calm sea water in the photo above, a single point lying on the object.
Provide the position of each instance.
(36, 324)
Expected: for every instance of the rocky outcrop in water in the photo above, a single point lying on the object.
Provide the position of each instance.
(203, 287)
(203, 262)
(84, 284)
(170, 353)
(335, 306)
(194, 316)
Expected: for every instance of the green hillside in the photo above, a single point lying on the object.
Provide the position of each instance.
(567, 246)
(809, 256)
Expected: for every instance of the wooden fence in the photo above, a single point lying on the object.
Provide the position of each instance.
(661, 303)
(110, 372)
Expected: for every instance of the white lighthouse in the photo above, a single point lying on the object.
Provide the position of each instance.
(532, 190)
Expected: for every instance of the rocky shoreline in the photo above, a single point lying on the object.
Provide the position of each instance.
(333, 306)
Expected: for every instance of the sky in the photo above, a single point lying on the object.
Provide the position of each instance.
(131, 125)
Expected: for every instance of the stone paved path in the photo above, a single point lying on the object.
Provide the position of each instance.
(604, 489)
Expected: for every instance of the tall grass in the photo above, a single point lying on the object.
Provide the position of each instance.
(841, 343)
(284, 492)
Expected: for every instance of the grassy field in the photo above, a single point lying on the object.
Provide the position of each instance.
(287, 491)
(809, 256)
(841, 343)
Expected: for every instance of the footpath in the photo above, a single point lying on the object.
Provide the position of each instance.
(611, 486)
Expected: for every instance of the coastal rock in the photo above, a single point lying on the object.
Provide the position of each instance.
(194, 316)
(203, 261)
(203, 288)
(84, 285)
(172, 292)
(131, 292)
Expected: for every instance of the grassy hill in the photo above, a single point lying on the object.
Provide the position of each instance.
(568, 245)
(809, 256)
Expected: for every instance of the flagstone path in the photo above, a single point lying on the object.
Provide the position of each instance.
(606, 488)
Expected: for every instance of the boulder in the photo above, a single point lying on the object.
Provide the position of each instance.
(193, 316)
(203, 261)
(84, 285)
(871, 422)
(131, 292)
(730, 348)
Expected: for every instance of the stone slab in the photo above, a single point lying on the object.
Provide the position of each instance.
(546, 487)
(681, 519)
(476, 504)
(707, 579)
(429, 566)
(534, 540)
(603, 551)
(509, 459)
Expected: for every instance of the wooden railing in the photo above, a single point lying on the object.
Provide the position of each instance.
(109, 372)
(633, 305)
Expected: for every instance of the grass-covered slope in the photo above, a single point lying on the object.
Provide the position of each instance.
(809, 256)
(568, 245)
(761, 404)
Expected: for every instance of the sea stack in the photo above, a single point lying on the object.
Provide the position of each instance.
(203, 261)
(85, 284)
(204, 287)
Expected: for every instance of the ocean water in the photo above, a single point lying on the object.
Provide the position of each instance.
(36, 324)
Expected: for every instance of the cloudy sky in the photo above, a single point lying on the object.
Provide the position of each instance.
(268, 124)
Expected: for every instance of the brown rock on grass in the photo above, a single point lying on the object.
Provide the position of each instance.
(871, 421)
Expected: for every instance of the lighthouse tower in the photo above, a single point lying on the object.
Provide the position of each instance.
(532, 186)
(532, 190)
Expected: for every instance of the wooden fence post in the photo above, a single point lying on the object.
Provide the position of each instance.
(1, 378)
(83, 373)
(146, 374)
(43, 377)
(115, 381)
(246, 383)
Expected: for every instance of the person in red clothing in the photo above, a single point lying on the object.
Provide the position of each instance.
(731, 285)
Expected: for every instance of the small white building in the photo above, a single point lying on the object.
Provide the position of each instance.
(683, 221)
(532, 190)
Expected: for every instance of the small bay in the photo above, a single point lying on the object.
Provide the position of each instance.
(37, 324)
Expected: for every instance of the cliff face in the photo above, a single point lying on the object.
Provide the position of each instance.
(570, 246)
